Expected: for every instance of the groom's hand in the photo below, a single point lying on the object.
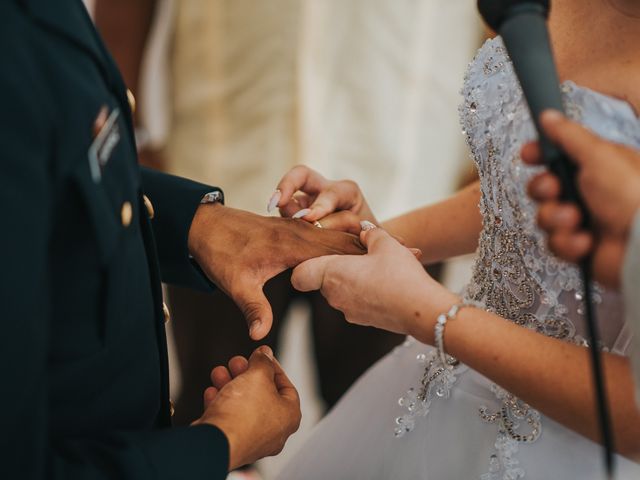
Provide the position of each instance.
(240, 251)
(254, 404)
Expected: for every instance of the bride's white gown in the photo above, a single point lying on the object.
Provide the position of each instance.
(462, 426)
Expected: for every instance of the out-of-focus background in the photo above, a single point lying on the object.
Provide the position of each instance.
(234, 93)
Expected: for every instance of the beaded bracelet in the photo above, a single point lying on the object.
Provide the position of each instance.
(447, 360)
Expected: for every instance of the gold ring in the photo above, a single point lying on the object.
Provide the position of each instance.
(317, 224)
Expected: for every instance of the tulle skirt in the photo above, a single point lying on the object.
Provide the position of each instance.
(356, 441)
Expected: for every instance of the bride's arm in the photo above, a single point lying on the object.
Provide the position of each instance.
(443, 230)
(389, 289)
(549, 374)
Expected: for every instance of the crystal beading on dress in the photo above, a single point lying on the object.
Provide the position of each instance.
(515, 276)
(455, 423)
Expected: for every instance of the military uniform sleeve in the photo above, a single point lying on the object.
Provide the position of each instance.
(175, 201)
(27, 450)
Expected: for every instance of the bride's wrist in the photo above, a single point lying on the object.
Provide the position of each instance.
(424, 315)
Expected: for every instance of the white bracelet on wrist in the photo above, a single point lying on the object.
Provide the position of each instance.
(447, 360)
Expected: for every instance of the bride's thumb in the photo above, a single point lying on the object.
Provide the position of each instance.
(373, 237)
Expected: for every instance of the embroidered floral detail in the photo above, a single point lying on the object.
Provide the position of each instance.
(437, 382)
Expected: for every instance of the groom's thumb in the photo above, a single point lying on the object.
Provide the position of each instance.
(256, 310)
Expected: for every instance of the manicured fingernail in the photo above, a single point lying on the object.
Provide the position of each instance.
(367, 225)
(302, 213)
(274, 200)
(255, 325)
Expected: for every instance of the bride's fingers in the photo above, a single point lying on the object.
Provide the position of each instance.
(342, 195)
(416, 253)
(402, 241)
(377, 240)
(345, 221)
(298, 178)
(299, 201)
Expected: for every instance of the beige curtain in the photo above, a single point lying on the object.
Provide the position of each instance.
(361, 89)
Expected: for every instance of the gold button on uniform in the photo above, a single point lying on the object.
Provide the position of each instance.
(172, 409)
(132, 101)
(149, 206)
(126, 214)
(167, 314)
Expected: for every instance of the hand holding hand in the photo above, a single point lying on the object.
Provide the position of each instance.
(254, 404)
(240, 252)
(339, 205)
(387, 288)
(609, 179)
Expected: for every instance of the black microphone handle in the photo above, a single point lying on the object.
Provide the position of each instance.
(526, 37)
(538, 77)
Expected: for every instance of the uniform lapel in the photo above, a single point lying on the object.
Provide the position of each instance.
(70, 19)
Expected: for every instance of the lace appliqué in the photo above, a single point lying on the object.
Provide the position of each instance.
(513, 418)
(437, 381)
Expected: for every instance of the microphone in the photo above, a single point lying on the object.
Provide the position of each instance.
(522, 24)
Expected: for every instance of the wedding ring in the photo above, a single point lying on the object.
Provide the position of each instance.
(317, 224)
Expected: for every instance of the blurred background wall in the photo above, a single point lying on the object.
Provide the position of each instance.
(236, 92)
(363, 89)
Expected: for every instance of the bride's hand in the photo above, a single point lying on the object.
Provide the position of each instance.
(387, 288)
(339, 205)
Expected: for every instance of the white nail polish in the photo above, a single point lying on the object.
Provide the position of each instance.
(301, 213)
(366, 225)
(274, 200)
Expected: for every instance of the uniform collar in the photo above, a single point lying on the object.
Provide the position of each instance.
(70, 19)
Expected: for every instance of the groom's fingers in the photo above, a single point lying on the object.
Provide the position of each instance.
(238, 365)
(209, 396)
(220, 376)
(285, 387)
(308, 276)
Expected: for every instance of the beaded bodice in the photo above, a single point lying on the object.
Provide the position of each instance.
(515, 275)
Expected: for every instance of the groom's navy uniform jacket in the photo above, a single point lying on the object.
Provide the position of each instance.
(83, 360)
